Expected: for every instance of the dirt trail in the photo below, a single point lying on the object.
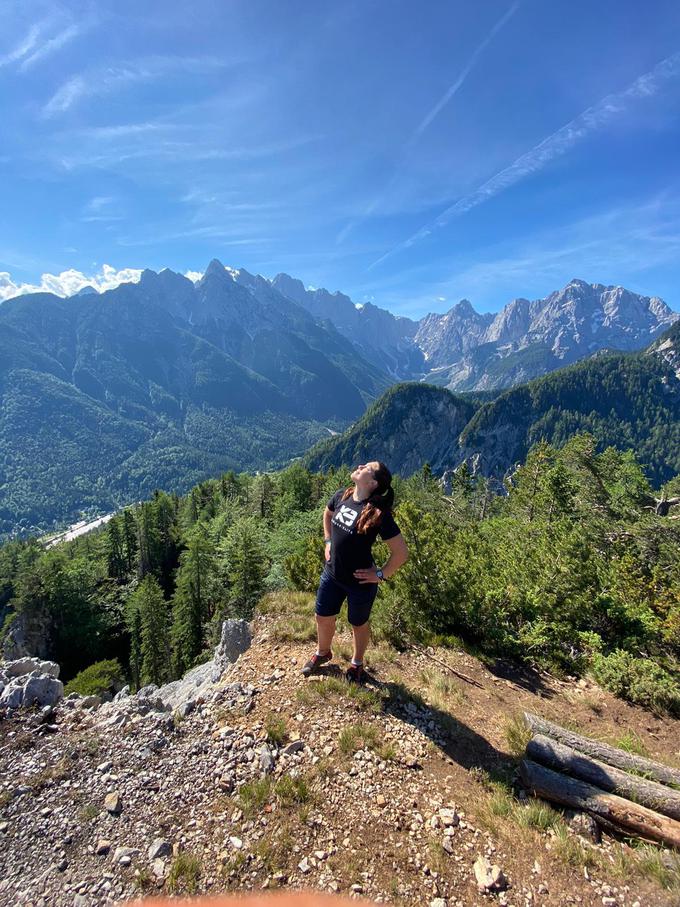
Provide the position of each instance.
(391, 793)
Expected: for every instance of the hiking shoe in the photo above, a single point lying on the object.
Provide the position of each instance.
(315, 663)
(355, 674)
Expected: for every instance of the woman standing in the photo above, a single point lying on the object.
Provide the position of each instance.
(353, 519)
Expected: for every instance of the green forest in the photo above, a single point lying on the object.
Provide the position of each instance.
(572, 568)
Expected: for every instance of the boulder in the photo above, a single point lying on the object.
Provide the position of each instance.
(147, 691)
(160, 848)
(489, 878)
(198, 682)
(42, 689)
(122, 694)
(28, 665)
(235, 640)
(266, 759)
(12, 696)
(113, 803)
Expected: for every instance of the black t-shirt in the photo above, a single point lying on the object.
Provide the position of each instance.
(351, 550)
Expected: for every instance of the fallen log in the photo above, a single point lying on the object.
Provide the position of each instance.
(629, 817)
(655, 771)
(569, 761)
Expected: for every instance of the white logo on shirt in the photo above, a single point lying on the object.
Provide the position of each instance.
(345, 516)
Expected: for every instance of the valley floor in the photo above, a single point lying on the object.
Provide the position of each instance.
(390, 793)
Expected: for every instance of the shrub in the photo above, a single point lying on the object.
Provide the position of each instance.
(638, 680)
(100, 677)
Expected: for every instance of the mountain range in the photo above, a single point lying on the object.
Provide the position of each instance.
(159, 384)
(626, 400)
(465, 350)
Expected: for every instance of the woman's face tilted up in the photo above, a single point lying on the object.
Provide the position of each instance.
(363, 475)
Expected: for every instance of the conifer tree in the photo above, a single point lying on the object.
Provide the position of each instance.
(246, 567)
(129, 540)
(152, 624)
(134, 623)
(194, 598)
(114, 549)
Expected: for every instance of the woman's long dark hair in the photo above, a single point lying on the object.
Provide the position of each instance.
(381, 499)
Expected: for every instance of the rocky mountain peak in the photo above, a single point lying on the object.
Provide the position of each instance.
(464, 308)
(290, 286)
(215, 268)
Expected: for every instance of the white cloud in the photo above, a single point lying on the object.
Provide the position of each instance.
(65, 96)
(67, 283)
(30, 50)
(194, 276)
(25, 46)
(51, 45)
(106, 79)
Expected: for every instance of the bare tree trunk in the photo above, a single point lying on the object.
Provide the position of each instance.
(629, 817)
(569, 761)
(605, 753)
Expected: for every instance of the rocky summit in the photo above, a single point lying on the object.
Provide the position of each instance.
(247, 776)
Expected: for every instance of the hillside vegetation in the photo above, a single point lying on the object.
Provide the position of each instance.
(630, 401)
(573, 571)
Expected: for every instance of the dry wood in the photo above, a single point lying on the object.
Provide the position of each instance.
(629, 817)
(655, 771)
(569, 761)
(444, 664)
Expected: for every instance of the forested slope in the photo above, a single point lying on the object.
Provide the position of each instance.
(575, 569)
(630, 401)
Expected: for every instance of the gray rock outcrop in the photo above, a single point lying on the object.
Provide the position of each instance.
(198, 682)
(29, 681)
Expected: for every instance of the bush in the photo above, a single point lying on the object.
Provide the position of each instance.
(638, 680)
(101, 677)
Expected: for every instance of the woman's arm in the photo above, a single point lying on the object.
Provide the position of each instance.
(327, 517)
(398, 557)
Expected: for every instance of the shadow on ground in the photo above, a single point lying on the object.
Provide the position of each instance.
(456, 739)
(521, 675)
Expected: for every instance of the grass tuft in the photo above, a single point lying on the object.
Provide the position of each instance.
(631, 743)
(291, 791)
(538, 815)
(275, 729)
(293, 614)
(253, 795)
(570, 850)
(185, 873)
(517, 735)
(334, 688)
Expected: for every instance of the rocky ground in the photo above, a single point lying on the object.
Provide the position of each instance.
(403, 792)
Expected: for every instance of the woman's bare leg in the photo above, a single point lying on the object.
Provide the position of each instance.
(362, 635)
(325, 630)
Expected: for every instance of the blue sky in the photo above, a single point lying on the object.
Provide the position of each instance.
(407, 153)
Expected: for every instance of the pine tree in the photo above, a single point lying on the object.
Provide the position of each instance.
(129, 540)
(247, 565)
(264, 492)
(134, 624)
(114, 549)
(194, 598)
(151, 623)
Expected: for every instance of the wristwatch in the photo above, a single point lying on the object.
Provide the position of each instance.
(381, 576)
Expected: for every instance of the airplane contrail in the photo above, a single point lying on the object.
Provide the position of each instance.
(555, 145)
(431, 115)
